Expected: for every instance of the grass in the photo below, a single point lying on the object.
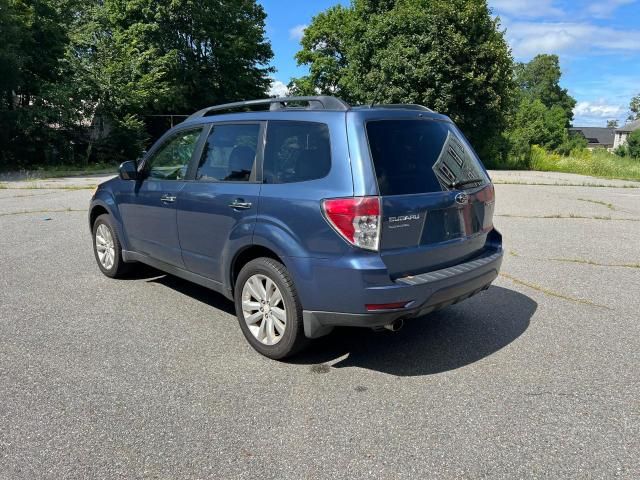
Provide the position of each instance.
(46, 210)
(583, 261)
(597, 264)
(551, 292)
(563, 184)
(571, 215)
(58, 171)
(4, 186)
(598, 163)
(598, 202)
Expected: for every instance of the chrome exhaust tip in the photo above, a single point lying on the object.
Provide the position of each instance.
(395, 325)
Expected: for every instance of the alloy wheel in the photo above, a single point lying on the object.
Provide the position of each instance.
(105, 247)
(263, 309)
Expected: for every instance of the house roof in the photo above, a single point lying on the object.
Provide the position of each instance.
(596, 135)
(629, 127)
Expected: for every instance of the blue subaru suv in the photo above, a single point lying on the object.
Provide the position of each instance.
(309, 213)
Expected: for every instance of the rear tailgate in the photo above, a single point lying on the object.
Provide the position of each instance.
(437, 200)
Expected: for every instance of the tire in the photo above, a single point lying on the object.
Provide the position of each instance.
(257, 330)
(116, 268)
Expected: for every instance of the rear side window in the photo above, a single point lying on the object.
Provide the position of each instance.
(296, 152)
(229, 154)
(422, 156)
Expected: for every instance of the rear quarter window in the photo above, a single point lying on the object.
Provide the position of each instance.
(296, 152)
(421, 156)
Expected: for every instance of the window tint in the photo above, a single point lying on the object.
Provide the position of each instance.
(296, 152)
(171, 160)
(229, 154)
(421, 156)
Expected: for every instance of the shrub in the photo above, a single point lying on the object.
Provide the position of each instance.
(125, 141)
(633, 145)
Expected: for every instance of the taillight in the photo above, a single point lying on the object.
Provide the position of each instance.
(357, 219)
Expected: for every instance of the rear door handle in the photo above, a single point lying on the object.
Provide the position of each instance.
(240, 204)
(167, 198)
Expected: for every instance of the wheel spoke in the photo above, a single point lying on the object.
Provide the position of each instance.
(269, 288)
(253, 318)
(276, 298)
(255, 288)
(262, 333)
(279, 325)
(248, 305)
(279, 314)
(271, 334)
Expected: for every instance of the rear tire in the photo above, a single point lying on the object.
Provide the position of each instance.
(107, 248)
(268, 309)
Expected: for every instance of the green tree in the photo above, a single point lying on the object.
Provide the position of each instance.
(192, 53)
(612, 123)
(144, 57)
(634, 108)
(33, 114)
(544, 111)
(447, 54)
(633, 144)
(535, 124)
(540, 79)
(66, 65)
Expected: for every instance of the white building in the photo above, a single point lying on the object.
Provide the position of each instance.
(622, 133)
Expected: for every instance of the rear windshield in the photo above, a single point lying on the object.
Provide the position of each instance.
(422, 156)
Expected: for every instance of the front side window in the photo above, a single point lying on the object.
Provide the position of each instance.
(171, 160)
(229, 154)
(296, 152)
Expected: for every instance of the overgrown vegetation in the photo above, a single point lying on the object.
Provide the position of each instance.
(597, 163)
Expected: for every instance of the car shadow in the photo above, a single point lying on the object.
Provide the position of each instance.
(445, 340)
(441, 341)
(197, 292)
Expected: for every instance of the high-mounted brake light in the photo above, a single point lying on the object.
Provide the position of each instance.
(357, 219)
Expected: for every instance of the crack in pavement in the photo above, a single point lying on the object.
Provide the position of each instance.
(552, 293)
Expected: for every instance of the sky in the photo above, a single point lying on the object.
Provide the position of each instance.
(598, 42)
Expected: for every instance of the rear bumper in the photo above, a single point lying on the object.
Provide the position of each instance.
(426, 293)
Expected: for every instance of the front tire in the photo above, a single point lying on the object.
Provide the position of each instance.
(107, 248)
(268, 309)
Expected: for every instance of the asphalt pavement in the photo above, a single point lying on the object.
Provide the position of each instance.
(150, 377)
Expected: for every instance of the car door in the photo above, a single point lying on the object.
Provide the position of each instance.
(149, 210)
(217, 209)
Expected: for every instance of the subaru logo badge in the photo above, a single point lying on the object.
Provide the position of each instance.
(462, 198)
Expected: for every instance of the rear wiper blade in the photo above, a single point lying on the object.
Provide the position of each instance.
(462, 183)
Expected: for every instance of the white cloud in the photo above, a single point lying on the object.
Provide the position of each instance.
(530, 38)
(297, 32)
(599, 109)
(526, 8)
(278, 89)
(605, 9)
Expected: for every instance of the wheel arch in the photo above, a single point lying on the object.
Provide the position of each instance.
(247, 254)
(95, 212)
(104, 203)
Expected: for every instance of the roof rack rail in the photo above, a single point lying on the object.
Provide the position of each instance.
(320, 102)
(405, 106)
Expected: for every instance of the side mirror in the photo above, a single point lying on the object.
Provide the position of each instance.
(128, 170)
